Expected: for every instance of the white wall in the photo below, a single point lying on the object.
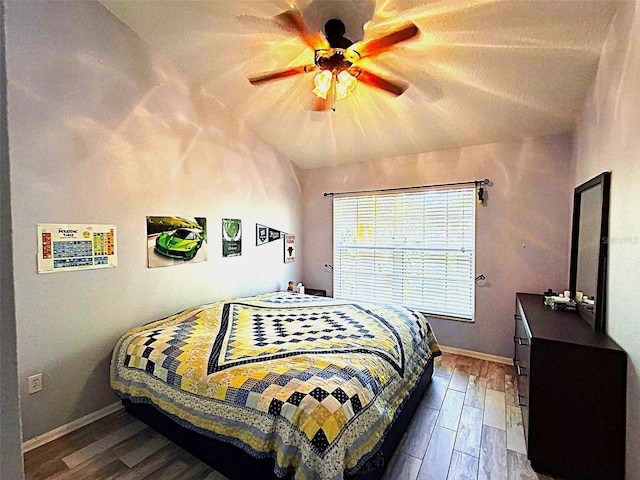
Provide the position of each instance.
(522, 240)
(104, 130)
(608, 138)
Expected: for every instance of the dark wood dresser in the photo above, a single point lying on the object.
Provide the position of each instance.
(572, 393)
(316, 292)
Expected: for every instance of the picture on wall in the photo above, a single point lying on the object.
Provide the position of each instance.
(176, 240)
(69, 247)
(289, 248)
(231, 237)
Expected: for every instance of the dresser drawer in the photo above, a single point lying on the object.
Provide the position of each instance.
(522, 378)
(521, 361)
(521, 347)
(521, 330)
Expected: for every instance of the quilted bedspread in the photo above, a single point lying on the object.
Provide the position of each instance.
(313, 382)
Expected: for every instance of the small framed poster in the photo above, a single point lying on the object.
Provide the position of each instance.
(231, 237)
(69, 247)
(289, 248)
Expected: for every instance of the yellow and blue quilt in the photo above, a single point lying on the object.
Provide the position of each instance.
(313, 382)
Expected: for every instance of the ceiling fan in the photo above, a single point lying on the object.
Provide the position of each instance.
(336, 59)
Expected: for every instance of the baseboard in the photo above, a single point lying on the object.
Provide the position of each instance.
(479, 355)
(56, 433)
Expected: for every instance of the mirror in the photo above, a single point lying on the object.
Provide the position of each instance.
(589, 241)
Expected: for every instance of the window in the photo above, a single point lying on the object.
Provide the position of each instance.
(413, 248)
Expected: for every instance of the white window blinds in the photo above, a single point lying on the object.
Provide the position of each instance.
(414, 248)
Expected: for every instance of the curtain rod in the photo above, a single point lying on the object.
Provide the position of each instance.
(471, 182)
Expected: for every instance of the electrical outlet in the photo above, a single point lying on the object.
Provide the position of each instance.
(35, 383)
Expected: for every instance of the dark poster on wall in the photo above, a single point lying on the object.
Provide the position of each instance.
(231, 237)
(266, 234)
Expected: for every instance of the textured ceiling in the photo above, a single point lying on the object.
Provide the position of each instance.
(480, 71)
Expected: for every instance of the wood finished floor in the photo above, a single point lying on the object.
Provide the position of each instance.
(467, 427)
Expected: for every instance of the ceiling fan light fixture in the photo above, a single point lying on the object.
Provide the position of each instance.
(322, 82)
(345, 84)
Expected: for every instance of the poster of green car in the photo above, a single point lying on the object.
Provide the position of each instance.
(176, 240)
(231, 237)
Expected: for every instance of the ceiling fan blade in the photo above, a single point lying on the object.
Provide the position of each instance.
(320, 104)
(385, 42)
(289, 72)
(292, 21)
(373, 80)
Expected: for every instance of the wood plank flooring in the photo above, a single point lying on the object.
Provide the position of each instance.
(467, 427)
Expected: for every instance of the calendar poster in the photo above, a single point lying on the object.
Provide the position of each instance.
(64, 248)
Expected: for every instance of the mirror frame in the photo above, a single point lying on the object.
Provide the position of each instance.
(596, 317)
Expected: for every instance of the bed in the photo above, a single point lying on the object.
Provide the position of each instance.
(280, 385)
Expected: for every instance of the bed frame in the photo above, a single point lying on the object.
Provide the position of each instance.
(235, 463)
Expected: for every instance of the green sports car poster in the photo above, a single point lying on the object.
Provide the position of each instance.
(176, 240)
(231, 237)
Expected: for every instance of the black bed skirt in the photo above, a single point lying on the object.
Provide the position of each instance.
(235, 463)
